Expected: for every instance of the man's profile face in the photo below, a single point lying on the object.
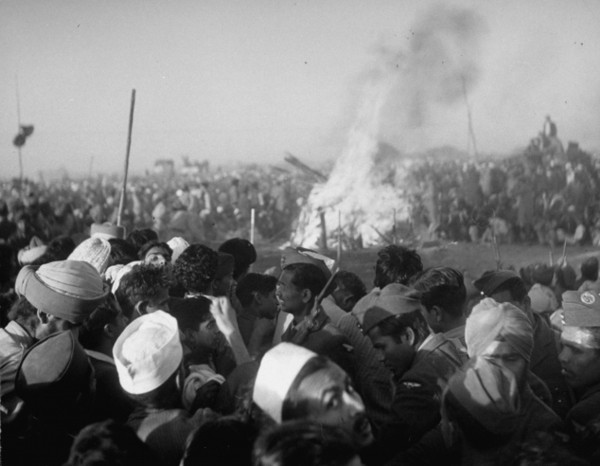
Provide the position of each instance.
(331, 400)
(579, 358)
(395, 354)
(289, 296)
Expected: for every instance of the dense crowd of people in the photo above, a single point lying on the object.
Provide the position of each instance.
(127, 349)
(547, 195)
(204, 206)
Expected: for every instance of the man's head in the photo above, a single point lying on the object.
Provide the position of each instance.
(141, 236)
(224, 283)
(294, 383)
(64, 293)
(197, 324)
(121, 251)
(504, 286)
(144, 289)
(443, 295)
(298, 286)
(257, 292)
(195, 268)
(580, 338)
(349, 289)
(155, 253)
(95, 251)
(501, 332)
(303, 443)
(243, 252)
(148, 357)
(589, 269)
(396, 264)
(396, 326)
(482, 400)
(104, 325)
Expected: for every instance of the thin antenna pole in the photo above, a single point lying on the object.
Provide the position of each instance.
(124, 188)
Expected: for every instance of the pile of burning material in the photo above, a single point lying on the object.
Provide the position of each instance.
(369, 201)
(412, 97)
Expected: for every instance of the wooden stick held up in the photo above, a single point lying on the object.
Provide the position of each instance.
(124, 188)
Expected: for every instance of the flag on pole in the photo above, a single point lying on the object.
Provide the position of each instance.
(24, 133)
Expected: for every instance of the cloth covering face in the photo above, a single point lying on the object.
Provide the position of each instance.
(487, 393)
(490, 321)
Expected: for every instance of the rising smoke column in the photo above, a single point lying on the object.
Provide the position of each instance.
(403, 95)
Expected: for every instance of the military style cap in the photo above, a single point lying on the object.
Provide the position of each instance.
(581, 308)
(394, 299)
(306, 256)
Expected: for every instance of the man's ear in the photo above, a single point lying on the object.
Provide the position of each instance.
(408, 336)
(307, 295)
(109, 331)
(43, 317)
(349, 301)
(140, 307)
(437, 314)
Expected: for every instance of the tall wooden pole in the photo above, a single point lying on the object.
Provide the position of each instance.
(339, 239)
(124, 188)
(18, 130)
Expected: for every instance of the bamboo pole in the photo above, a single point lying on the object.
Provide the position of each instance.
(339, 239)
(124, 188)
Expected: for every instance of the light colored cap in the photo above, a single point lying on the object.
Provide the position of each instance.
(177, 245)
(107, 231)
(278, 369)
(148, 352)
(29, 254)
(94, 251)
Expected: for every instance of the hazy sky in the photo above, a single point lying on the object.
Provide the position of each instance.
(248, 80)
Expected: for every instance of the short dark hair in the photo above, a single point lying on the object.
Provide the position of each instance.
(243, 252)
(254, 283)
(395, 326)
(190, 312)
(589, 269)
(396, 264)
(307, 276)
(196, 267)
(141, 283)
(223, 441)
(155, 244)
(165, 396)
(350, 282)
(516, 286)
(121, 251)
(24, 313)
(303, 443)
(443, 287)
(141, 236)
(90, 332)
(109, 442)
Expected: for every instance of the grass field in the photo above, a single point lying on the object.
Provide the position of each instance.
(471, 259)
